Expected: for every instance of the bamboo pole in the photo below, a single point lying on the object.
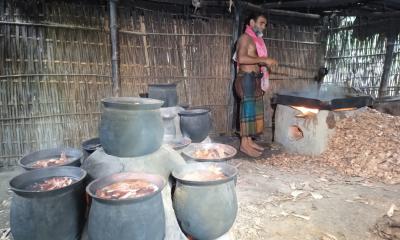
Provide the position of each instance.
(116, 85)
(390, 41)
(231, 126)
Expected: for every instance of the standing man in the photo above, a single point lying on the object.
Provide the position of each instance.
(251, 82)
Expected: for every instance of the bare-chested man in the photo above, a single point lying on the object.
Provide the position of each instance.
(248, 84)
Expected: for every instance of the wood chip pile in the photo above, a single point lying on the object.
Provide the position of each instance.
(367, 145)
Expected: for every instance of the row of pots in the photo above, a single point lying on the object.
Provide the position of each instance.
(133, 127)
(204, 209)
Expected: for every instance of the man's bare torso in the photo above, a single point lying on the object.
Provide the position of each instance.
(251, 51)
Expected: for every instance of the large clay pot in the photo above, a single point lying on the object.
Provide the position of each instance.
(48, 215)
(139, 218)
(131, 126)
(195, 123)
(164, 92)
(74, 157)
(205, 209)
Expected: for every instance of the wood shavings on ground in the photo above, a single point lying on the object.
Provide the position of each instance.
(388, 227)
(5, 234)
(366, 145)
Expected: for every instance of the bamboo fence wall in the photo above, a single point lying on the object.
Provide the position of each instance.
(53, 72)
(359, 63)
(55, 67)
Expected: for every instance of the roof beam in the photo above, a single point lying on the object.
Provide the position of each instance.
(312, 4)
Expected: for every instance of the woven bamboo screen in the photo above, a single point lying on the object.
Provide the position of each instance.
(158, 47)
(55, 67)
(52, 75)
(357, 62)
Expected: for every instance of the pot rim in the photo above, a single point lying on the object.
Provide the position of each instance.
(177, 174)
(88, 141)
(44, 171)
(131, 103)
(194, 111)
(74, 160)
(195, 146)
(107, 180)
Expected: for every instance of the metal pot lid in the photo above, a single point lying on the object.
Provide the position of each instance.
(132, 103)
(178, 143)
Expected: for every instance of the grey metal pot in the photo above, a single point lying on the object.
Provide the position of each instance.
(73, 154)
(164, 92)
(131, 126)
(91, 145)
(205, 209)
(48, 215)
(195, 123)
(139, 218)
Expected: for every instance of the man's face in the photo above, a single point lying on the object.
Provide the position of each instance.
(259, 25)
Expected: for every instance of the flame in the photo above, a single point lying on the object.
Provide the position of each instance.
(306, 111)
(344, 109)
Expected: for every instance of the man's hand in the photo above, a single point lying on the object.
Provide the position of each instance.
(270, 62)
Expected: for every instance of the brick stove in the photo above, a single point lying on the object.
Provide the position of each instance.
(304, 122)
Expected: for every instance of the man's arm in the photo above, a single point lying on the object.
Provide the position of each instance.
(244, 58)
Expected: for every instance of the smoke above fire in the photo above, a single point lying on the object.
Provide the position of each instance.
(324, 92)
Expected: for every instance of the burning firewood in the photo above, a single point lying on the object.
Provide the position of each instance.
(51, 162)
(51, 184)
(132, 188)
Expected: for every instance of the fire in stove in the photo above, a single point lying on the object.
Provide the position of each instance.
(304, 120)
(344, 109)
(306, 112)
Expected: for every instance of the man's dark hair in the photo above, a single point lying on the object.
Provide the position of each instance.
(255, 16)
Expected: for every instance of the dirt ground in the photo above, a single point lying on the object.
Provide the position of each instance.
(308, 203)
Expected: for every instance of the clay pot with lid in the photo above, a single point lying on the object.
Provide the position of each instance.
(131, 126)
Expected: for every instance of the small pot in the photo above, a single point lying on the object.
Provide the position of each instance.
(126, 219)
(164, 92)
(195, 123)
(91, 145)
